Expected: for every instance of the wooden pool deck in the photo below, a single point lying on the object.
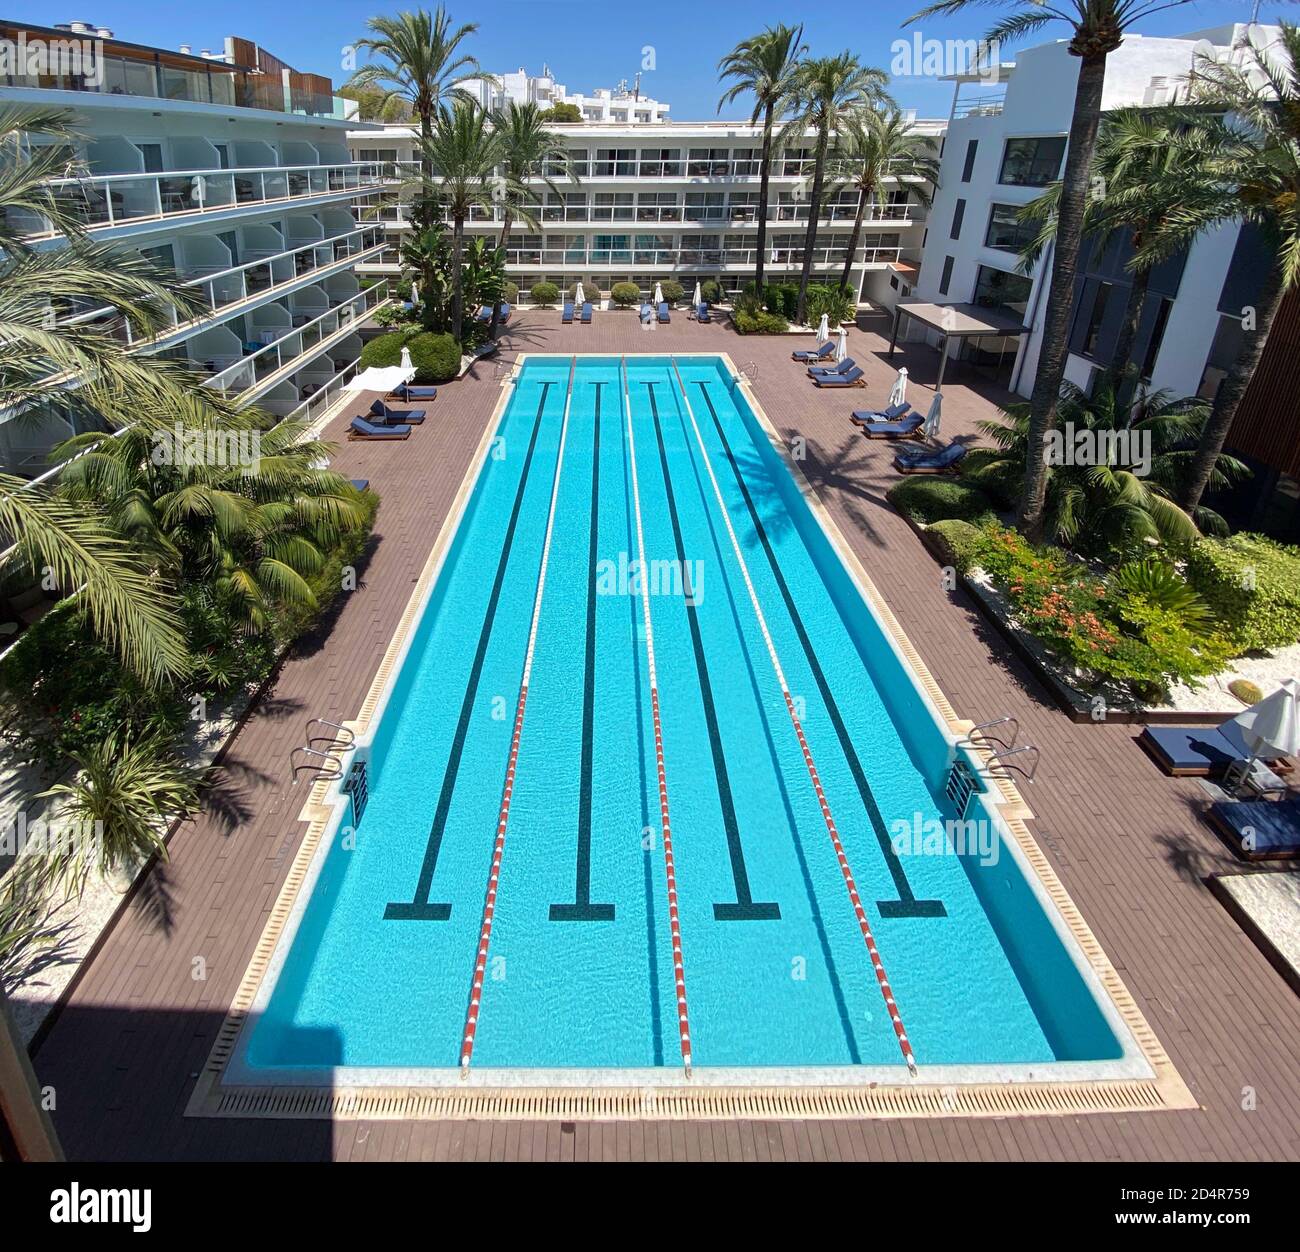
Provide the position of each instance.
(123, 1054)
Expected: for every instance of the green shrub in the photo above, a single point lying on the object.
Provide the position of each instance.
(1252, 584)
(999, 479)
(625, 294)
(436, 357)
(748, 323)
(837, 304)
(673, 290)
(779, 298)
(590, 287)
(510, 292)
(711, 291)
(544, 293)
(937, 499)
(955, 543)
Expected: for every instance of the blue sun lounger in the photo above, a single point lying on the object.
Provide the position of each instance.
(1195, 751)
(664, 314)
(586, 311)
(930, 462)
(409, 391)
(566, 313)
(840, 367)
(1258, 830)
(853, 377)
(647, 313)
(819, 353)
(383, 414)
(899, 429)
(892, 414)
(702, 313)
(362, 429)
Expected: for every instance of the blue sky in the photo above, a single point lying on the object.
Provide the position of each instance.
(593, 43)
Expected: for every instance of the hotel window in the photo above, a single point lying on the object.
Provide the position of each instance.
(705, 206)
(1032, 162)
(661, 162)
(999, 289)
(577, 163)
(701, 250)
(610, 250)
(615, 163)
(570, 206)
(709, 162)
(1157, 336)
(1088, 344)
(795, 162)
(790, 208)
(742, 206)
(652, 250)
(738, 249)
(946, 277)
(789, 248)
(524, 249)
(658, 206)
(841, 206)
(613, 206)
(958, 213)
(972, 146)
(1006, 231)
(880, 245)
(746, 161)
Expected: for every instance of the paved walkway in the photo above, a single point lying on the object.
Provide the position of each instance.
(1126, 841)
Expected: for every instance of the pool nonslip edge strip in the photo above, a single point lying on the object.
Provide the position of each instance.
(912, 1098)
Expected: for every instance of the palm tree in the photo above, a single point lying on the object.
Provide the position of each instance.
(1115, 506)
(766, 66)
(529, 151)
(40, 349)
(876, 147)
(1098, 29)
(418, 62)
(827, 92)
(465, 150)
(1245, 148)
(1136, 171)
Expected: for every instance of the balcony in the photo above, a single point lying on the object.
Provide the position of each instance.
(687, 257)
(114, 200)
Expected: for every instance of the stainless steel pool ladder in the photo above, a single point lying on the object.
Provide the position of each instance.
(324, 763)
(1005, 733)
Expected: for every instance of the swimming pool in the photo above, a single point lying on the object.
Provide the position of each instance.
(653, 786)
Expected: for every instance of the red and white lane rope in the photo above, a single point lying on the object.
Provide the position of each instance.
(674, 923)
(864, 925)
(503, 816)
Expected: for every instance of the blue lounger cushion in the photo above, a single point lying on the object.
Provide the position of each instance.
(840, 367)
(1259, 830)
(566, 314)
(1195, 750)
(646, 312)
(586, 311)
(702, 314)
(408, 391)
(411, 416)
(929, 462)
(362, 429)
(894, 413)
(664, 314)
(908, 425)
(849, 379)
(819, 353)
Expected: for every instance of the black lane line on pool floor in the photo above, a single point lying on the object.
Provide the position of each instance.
(907, 905)
(582, 909)
(743, 909)
(419, 909)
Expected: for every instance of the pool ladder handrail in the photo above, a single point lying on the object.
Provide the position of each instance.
(983, 730)
(996, 763)
(326, 765)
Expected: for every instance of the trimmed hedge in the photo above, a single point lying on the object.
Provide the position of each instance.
(625, 294)
(711, 291)
(1252, 584)
(590, 288)
(436, 357)
(955, 543)
(673, 290)
(999, 479)
(937, 500)
(510, 293)
(759, 323)
(544, 293)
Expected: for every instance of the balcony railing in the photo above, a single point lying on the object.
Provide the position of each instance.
(244, 374)
(105, 200)
(692, 257)
(895, 214)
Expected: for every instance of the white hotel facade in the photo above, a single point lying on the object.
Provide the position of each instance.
(680, 199)
(234, 170)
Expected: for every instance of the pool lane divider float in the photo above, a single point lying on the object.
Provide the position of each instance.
(864, 925)
(679, 968)
(503, 816)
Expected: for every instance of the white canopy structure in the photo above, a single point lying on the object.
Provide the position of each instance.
(382, 378)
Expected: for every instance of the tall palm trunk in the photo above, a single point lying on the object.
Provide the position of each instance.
(814, 211)
(1128, 330)
(424, 216)
(1232, 389)
(1069, 236)
(868, 182)
(457, 284)
(764, 174)
(506, 224)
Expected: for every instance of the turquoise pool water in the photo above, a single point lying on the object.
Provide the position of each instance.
(379, 969)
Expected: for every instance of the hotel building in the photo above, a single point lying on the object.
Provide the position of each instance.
(234, 170)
